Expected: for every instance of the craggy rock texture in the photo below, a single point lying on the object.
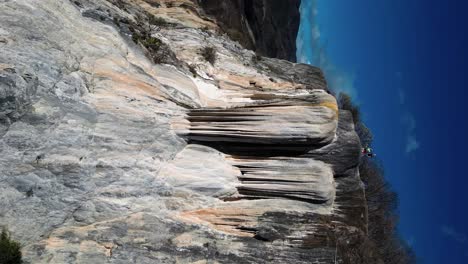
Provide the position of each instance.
(109, 157)
(268, 27)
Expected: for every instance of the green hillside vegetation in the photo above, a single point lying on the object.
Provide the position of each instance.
(382, 201)
(10, 250)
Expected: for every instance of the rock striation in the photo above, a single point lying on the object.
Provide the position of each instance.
(120, 142)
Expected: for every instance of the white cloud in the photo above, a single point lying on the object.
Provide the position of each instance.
(411, 241)
(456, 236)
(315, 52)
(316, 32)
(314, 9)
(401, 96)
(412, 143)
(453, 234)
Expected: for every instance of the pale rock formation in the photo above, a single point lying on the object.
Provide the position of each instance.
(107, 157)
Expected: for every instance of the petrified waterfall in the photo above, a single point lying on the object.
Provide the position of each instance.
(118, 146)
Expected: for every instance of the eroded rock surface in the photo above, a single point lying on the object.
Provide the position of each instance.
(109, 157)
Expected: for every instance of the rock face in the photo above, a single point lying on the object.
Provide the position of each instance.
(109, 157)
(268, 27)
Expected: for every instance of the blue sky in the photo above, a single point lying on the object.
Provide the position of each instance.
(404, 62)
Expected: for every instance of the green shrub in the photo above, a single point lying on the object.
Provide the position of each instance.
(364, 134)
(256, 58)
(345, 102)
(157, 21)
(10, 250)
(142, 34)
(135, 38)
(193, 70)
(209, 54)
(116, 21)
(151, 43)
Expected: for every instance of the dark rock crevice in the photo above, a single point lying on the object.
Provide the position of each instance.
(267, 27)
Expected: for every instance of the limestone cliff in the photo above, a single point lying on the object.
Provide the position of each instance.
(120, 143)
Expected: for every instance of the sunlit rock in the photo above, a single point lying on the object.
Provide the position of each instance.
(118, 146)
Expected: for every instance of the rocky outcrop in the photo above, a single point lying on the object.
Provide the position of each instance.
(16, 92)
(305, 121)
(109, 157)
(268, 27)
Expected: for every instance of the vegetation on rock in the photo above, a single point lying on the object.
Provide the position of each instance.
(209, 54)
(10, 250)
(157, 21)
(192, 70)
(256, 58)
(346, 103)
(151, 43)
(143, 33)
(382, 201)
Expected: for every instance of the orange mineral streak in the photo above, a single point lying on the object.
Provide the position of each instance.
(227, 220)
(229, 80)
(82, 232)
(186, 12)
(333, 106)
(55, 242)
(129, 83)
(5, 66)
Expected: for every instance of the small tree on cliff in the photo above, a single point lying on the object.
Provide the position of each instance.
(365, 135)
(10, 250)
(209, 54)
(346, 103)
